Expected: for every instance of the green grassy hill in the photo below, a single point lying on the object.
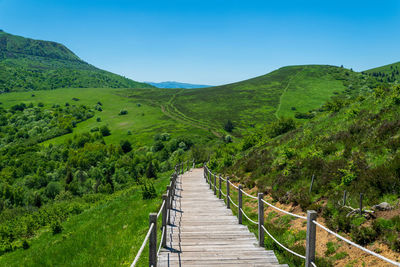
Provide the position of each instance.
(27, 64)
(285, 92)
(352, 145)
(387, 73)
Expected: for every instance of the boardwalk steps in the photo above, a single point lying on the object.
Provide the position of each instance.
(203, 232)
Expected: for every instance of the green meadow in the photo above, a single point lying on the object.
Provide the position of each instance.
(108, 234)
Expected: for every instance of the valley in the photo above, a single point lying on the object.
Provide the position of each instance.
(85, 154)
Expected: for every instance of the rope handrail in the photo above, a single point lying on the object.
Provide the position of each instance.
(232, 202)
(233, 185)
(245, 215)
(284, 211)
(142, 246)
(276, 241)
(222, 178)
(161, 240)
(248, 194)
(356, 245)
(301, 217)
(223, 193)
(161, 208)
(165, 220)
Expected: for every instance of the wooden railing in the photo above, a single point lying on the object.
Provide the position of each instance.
(311, 219)
(165, 212)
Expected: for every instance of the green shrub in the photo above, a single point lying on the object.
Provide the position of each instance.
(94, 129)
(105, 131)
(123, 112)
(53, 189)
(151, 171)
(283, 125)
(148, 190)
(331, 248)
(56, 227)
(126, 146)
(363, 235)
(25, 244)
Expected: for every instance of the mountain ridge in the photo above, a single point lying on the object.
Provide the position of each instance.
(175, 84)
(29, 64)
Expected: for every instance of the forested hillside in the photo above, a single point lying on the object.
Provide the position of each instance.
(27, 64)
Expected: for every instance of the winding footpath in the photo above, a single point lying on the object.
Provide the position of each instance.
(203, 232)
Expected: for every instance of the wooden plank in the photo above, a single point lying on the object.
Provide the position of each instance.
(206, 233)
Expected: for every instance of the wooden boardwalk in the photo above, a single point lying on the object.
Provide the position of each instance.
(203, 232)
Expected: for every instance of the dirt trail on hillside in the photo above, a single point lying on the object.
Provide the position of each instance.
(186, 122)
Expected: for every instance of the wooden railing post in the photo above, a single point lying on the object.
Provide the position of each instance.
(240, 204)
(361, 203)
(228, 203)
(219, 187)
(310, 240)
(153, 241)
(194, 164)
(260, 220)
(215, 184)
(209, 178)
(169, 204)
(164, 219)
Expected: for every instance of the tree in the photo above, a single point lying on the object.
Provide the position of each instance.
(126, 146)
(150, 170)
(69, 177)
(53, 189)
(105, 131)
(229, 126)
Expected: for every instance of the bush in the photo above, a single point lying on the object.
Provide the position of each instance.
(25, 244)
(229, 126)
(150, 171)
(282, 126)
(307, 115)
(75, 99)
(148, 191)
(40, 104)
(94, 129)
(125, 146)
(105, 131)
(228, 139)
(363, 235)
(56, 227)
(53, 189)
(123, 112)
(98, 119)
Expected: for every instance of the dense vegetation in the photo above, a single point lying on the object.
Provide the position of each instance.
(27, 64)
(388, 73)
(352, 145)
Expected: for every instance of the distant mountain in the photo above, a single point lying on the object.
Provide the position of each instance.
(172, 84)
(28, 64)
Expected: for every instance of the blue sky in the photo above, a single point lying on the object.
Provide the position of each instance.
(212, 42)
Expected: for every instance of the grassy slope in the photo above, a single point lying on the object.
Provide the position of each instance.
(387, 69)
(108, 234)
(259, 100)
(27, 64)
(144, 121)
